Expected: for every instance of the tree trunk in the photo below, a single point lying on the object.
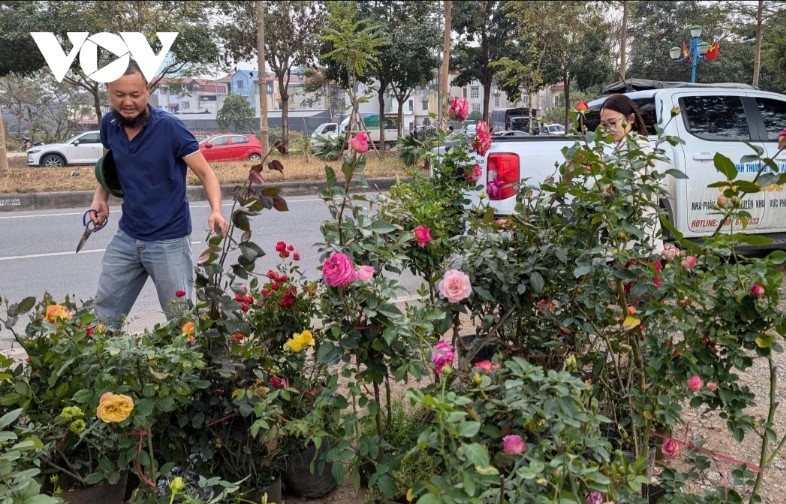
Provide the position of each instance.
(566, 84)
(444, 78)
(263, 127)
(381, 103)
(3, 150)
(283, 90)
(624, 40)
(757, 53)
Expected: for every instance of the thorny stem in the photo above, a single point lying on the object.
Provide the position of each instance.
(764, 459)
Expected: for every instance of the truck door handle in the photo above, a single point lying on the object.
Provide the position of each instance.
(703, 156)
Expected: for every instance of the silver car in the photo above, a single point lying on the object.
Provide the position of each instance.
(81, 149)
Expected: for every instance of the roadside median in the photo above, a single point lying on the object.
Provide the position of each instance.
(75, 199)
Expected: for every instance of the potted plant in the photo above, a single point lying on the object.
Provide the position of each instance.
(95, 399)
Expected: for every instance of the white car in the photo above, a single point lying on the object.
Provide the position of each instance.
(81, 149)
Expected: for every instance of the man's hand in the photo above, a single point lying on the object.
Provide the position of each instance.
(217, 223)
(101, 206)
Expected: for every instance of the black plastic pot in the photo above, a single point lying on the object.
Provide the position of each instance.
(299, 479)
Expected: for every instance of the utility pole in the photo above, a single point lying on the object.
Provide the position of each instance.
(260, 8)
(3, 151)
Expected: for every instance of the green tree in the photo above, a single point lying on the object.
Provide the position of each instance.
(291, 42)
(657, 26)
(351, 47)
(193, 48)
(558, 42)
(409, 58)
(20, 54)
(483, 31)
(236, 114)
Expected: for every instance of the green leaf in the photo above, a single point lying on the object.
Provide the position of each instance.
(677, 174)
(475, 453)
(469, 429)
(381, 226)
(10, 417)
(725, 166)
(537, 282)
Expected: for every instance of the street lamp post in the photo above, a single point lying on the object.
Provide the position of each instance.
(698, 48)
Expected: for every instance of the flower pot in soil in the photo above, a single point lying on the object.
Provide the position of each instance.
(300, 481)
(105, 493)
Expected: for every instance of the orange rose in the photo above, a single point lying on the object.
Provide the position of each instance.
(114, 408)
(55, 312)
(188, 328)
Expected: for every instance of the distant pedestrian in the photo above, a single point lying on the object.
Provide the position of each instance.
(151, 150)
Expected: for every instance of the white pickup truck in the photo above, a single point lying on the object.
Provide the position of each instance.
(713, 118)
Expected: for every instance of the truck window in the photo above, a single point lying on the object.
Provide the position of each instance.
(773, 113)
(645, 105)
(715, 117)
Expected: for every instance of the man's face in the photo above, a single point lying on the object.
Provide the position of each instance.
(128, 96)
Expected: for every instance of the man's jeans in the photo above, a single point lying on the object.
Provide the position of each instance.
(128, 263)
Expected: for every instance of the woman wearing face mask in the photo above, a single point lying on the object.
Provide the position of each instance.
(621, 119)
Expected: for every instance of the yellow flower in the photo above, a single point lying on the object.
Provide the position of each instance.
(177, 484)
(299, 341)
(114, 407)
(410, 494)
(55, 312)
(630, 322)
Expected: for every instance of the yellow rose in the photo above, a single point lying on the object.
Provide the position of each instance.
(114, 407)
(299, 341)
(55, 312)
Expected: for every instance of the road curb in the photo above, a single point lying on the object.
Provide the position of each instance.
(75, 199)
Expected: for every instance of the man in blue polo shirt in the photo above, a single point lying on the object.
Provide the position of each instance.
(152, 150)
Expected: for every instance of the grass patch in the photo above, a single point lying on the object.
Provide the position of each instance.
(23, 179)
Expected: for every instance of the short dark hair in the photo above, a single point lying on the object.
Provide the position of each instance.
(133, 68)
(625, 106)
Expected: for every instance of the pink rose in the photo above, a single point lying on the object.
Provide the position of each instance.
(782, 139)
(455, 286)
(757, 290)
(365, 273)
(338, 270)
(669, 252)
(694, 383)
(482, 141)
(712, 386)
(459, 109)
(595, 498)
(689, 262)
(670, 448)
(442, 355)
(423, 235)
(475, 175)
(359, 143)
(513, 444)
(485, 365)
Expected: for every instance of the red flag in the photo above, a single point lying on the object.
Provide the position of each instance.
(685, 52)
(712, 52)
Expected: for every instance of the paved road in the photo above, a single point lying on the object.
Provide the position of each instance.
(37, 252)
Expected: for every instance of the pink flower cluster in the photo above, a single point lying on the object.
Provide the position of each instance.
(482, 141)
(458, 109)
(442, 355)
(695, 383)
(338, 271)
(359, 143)
(455, 286)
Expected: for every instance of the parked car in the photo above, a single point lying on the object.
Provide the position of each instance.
(231, 147)
(509, 133)
(81, 149)
(555, 129)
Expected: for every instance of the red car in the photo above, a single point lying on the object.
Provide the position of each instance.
(231, 147)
